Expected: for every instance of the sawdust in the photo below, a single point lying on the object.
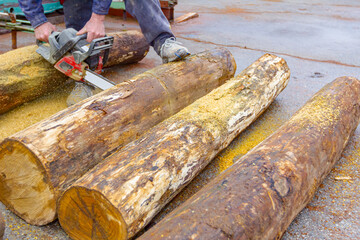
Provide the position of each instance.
(25, 66)
(250, 138)
(25, 54)
(32, 70)
(320, 112)
(347, 168)
(33, 112)
(25, 76)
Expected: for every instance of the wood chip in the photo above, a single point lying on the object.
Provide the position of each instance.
(186, 17)
(343, 178)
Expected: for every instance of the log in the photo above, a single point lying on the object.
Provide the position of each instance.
(122, 194)
(25, 75)
(128, 47)
(260, 195)
(52, 154)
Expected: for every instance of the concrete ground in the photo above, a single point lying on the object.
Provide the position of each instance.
(319, 40)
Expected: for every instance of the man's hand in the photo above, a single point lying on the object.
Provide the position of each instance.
(43, 31)
(94, 27)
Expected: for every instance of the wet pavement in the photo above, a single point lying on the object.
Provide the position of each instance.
(320, 42)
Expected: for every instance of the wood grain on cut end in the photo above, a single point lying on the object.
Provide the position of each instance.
(24, 184)
(87, 214)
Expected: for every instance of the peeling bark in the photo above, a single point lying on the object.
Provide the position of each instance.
(260, 195)
(25, 75)
(40, 162)
(122, 194)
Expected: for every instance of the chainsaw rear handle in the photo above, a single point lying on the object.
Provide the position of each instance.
(96, 46)
(103, 44)
(100, 44)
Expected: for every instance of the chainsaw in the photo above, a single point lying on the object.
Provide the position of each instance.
(72, 55)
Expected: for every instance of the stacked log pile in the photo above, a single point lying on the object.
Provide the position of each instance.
(40, 162)
(123, 193)
(260, 195)
(25, 75)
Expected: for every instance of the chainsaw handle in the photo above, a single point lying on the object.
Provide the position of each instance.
(107, 43)
(82, 36)
(96, 46)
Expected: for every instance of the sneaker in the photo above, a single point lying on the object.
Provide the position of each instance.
(171, 50)
(80, 92)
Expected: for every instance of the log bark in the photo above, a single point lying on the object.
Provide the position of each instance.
(123, 193)
(2, 226)
(128, 47)
(260, 195)
(25, 75)
(52, 154)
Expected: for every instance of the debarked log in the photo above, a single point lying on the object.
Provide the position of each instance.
(40, 162)
(122, 194)
(25, 75)
(260, 195)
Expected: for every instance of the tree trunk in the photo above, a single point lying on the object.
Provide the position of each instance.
(259, 196)
(25, 75)
(54, 153)
(122, 194)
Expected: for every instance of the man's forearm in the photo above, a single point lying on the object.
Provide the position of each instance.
(101, 7)
(33, 11)
(98, 17)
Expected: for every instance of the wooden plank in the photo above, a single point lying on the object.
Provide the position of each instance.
(260, 195)
(122, 194)
(52, 154)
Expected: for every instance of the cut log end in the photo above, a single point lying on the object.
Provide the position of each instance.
(24, 184)
(87, 214)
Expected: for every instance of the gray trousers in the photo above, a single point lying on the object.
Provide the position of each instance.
(153, 23)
